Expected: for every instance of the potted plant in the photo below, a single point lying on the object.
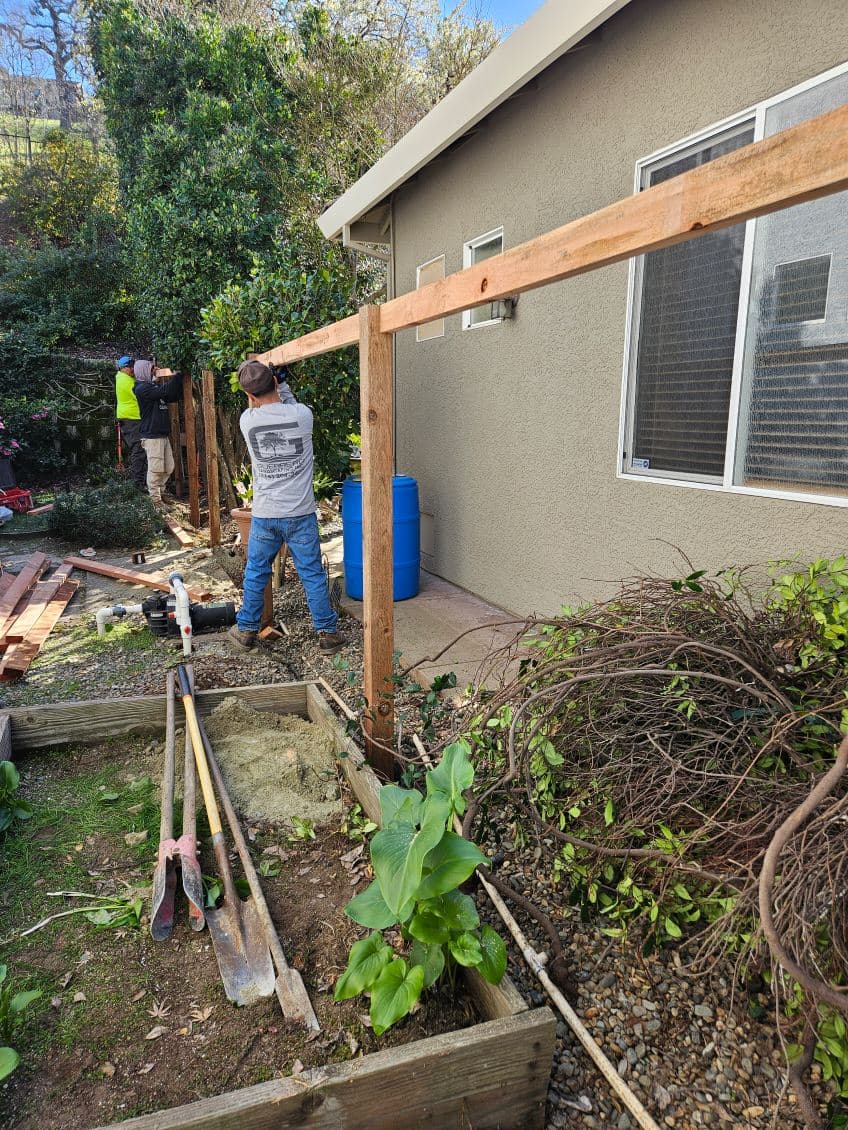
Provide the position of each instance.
(242, 514)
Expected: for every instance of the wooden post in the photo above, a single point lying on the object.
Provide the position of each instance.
(192, 470)
(177, 448)
(213, 498)
(375, 399)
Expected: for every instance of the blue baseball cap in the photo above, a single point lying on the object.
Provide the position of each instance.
(122, 362)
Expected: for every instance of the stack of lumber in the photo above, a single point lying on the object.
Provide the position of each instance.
(30, 606)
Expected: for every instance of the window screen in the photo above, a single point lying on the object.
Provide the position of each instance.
(793, 417)
(800, 290)
(425, 274)
(476, 252)
(688, 304)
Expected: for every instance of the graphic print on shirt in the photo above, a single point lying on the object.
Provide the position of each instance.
(277, 455)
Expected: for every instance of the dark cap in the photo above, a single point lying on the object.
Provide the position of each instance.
(256, 378)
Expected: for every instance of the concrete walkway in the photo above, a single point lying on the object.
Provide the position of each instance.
(429, 622)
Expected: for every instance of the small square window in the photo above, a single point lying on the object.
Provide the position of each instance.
(431, 271)
(476, 251)
(800, 290)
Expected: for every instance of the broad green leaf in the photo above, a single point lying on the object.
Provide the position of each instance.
(400, 804)
(452, 776)
(672, 929)
(493, 948)
(394, 994)
(369, 909)
(609, 813)
(431, 958)
(456, 909)
(9, 776)
(102, 917)
(20, 1000)
(466, 949)
(4, 969)
(429, 927)
(367, 960)
(9, 1060)
(397, 855)
(448, 865)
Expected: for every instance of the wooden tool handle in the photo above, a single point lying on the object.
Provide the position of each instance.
(199, 754)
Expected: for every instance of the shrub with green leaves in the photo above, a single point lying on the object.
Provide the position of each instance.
(12, 1006)
(12, 807)
(116, 514)
(418, 865)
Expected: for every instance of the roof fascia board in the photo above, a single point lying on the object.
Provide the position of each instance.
(552, 30)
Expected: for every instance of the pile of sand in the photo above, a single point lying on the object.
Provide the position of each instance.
(276, 766)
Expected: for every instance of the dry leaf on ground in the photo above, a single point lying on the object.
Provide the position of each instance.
(159, 1011)
(107, 1069)
(155, 1033)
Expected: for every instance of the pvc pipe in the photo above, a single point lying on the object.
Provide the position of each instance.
(113, 612)
(182, 613)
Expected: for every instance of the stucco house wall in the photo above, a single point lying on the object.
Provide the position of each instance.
(512, 429)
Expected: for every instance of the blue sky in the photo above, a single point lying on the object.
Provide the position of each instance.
(508, 13)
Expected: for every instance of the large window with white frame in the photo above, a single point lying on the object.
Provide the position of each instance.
(476, 251)
(736, 369)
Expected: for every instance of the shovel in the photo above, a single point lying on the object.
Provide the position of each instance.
(244, 959)
(289, 986)
(187, 844)
(165, 875)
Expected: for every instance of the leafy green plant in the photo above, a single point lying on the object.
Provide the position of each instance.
(418, 865)
(268, 869)
(12, 1006)
(821, 589)
(302, 829)
(12, 807)
(356, 825)
(244, 484)
(115, 514)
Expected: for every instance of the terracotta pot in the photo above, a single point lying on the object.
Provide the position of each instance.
(243, 517)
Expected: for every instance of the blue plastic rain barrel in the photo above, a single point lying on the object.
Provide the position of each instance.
(406, 533)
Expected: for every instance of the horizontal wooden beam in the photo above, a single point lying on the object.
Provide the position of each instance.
(802, 163)
(324, 340)
(132, 576)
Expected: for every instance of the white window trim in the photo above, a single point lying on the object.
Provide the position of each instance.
(791, 262)
(468, 261)
(628, 387)
(418, 270)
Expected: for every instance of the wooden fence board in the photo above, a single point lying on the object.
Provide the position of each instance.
(182, 536)
(493, 1075)
(149, 580)
(19, 656)
(64, 723)
(20, 586)
(40, 596)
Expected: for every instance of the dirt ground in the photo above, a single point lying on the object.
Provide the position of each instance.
(126, 1025)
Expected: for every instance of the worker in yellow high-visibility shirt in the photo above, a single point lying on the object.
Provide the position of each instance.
(128, 415)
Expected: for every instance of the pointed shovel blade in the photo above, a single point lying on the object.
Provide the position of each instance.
(193, 887)
(244, 959)
(162, 902)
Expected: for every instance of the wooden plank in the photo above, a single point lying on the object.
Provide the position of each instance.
(192, 469)
(177, 449)
(183, 536)
(68, 723)
(802, 163)
(149, 580)
(6, 581)
(324, 340)
(40, 596)
(41, 509)
(19, 656)
(210, 425)
(20, 586)
(376, 392)
(5, 739)
(492, 1075)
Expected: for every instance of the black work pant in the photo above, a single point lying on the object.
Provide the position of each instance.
(135, 458)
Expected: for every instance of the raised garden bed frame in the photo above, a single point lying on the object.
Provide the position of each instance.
(493, 1074)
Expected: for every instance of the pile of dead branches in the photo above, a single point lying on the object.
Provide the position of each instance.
(692, 729)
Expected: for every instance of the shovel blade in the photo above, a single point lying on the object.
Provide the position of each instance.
(193, 887)
(244, 959)
(162, 903)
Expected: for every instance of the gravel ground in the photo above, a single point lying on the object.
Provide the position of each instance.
(687, 1047)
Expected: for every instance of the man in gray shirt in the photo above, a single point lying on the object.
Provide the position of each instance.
(278, 433)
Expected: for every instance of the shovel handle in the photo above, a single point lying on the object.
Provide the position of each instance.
(199, 754)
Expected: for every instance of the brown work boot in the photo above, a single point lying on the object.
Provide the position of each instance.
(330, 642)
(241, 640)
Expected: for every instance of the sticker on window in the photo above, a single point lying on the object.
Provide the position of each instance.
(641, 464)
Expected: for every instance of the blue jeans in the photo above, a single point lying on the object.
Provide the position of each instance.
(267, 536)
